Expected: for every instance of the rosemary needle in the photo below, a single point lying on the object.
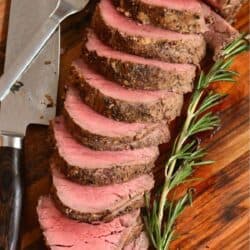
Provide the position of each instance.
(186, 154)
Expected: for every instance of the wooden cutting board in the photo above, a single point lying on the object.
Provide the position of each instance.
(219, 216)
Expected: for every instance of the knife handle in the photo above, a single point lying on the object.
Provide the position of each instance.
(10, 191)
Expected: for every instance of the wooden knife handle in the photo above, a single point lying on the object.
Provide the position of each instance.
(10, 197)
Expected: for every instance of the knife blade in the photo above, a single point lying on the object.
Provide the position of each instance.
(63, 9)
(33, 100)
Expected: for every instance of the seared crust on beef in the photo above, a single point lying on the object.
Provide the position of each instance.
(105, 216)
(167, 108)
(140, 76)
(175, 51)
(101, 176)
(152, 135)
(134, 232)
(228, 9)
(181, 21)
(220, 33)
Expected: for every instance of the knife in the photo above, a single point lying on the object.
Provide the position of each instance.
(33, 100)
(37, 40)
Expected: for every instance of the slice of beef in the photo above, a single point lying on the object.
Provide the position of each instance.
(141, 243)
(90, 203)
(101, 133)
(176, 15)
(123, 34)
(227, 8)
(61, 232)
(87, 166)
(220, 33)
(121, 104)
(137, 72)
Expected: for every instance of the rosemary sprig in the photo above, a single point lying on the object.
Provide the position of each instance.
(186, 153)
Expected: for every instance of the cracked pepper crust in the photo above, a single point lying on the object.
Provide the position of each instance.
(163, 109)
(105, 216)
(175, 51)
(219, 33)
(101, 176)
(151, 135)
(180, 21)
(140, 76)
(229, 8)
(134, 232)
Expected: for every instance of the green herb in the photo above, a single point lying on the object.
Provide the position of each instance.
(186, 154)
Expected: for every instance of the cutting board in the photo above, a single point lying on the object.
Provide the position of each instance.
(219, 216)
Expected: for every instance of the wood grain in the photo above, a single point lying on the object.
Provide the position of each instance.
(219, 211)
(219, 217)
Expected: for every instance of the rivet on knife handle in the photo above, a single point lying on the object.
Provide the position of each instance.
(10, 192)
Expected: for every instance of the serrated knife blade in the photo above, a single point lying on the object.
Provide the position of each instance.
(32, 100)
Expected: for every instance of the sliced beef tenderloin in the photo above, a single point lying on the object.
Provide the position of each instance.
(87, 166)
(101, 133)
(176, 15)
(220, 33)
(90, 203)
(61, 232)
(121, 104)
(123, 34)
(137, 72)
(227, 8)
(141, 243)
